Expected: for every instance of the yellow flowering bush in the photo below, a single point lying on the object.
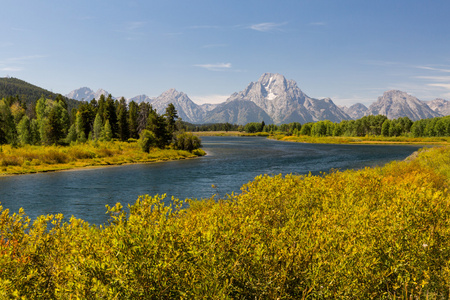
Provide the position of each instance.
(376, 233)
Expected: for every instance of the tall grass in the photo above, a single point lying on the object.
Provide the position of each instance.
(31, 159)
(363, 140)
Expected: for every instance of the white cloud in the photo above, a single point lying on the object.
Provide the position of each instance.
(381, 63)
(210, 99)
(132, 30)
(13, 64)
(433, 69)
(265, 27)
(435, 78)
(215, 67)
(134, 25)
(22, 59)
(349, 101)
(440, 85)
(11, 69)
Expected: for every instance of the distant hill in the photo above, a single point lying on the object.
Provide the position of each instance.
(12, 87)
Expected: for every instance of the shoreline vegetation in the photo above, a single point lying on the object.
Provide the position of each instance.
(375, 233)
(30, 159)
(334, 139)
(364, 140)
(37, 159)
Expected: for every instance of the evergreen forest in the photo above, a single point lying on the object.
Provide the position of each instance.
(371, 125)
(51, 123)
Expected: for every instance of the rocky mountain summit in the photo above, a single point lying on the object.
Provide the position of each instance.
(86, 94)
(284, 102)
(395, 104)
(356, 111)
(274, 99)
(440, 106)
(187, 110)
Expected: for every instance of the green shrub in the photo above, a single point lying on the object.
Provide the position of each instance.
(147, 140)
(186, 141)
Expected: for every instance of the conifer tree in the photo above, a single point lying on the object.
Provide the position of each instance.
(171, 115)
(107, 131)
(157, 124)
(98, 127)
(143, 113)
(133, 120)
(122, 122)
(110, 113)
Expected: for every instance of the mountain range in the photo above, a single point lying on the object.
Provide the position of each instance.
(274, 99)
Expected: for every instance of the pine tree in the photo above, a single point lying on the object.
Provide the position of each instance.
(143, 113)
(122, 122)
(110, 113)
(80, 128)
(98, 127)
(133, 120)
(157, 124)
(107, 131)
(171, 115)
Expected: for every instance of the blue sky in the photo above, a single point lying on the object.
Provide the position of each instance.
(350, 51)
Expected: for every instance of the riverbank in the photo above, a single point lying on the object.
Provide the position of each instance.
(228, 133)
(38, 159)
(401, 140)
(381, 140)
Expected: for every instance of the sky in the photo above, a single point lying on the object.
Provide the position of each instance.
(349, 50)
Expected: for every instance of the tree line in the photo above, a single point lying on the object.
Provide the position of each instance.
(378, 125)
(50, 122)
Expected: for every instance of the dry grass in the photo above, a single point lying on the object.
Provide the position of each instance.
(364, 140)
(34, 159)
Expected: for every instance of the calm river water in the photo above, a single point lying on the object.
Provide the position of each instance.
(230, 163)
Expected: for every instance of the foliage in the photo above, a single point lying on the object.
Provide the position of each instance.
(147, 140)
(32, 159)
(377, 233)
(27, 93)
(187, 141)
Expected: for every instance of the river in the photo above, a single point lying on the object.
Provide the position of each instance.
(230, 163)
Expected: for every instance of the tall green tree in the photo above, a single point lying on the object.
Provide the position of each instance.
(80, 126)
(171, 116)
(133, 110)
(8, 126)
(157, 124)
(385, 127)
(107, 131)
(143, 113)
(24, 131)
(122, 121)
(98, 127)
(110, 114)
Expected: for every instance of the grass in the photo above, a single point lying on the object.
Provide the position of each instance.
(363, 140)
(35, 159)
(228, 133)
